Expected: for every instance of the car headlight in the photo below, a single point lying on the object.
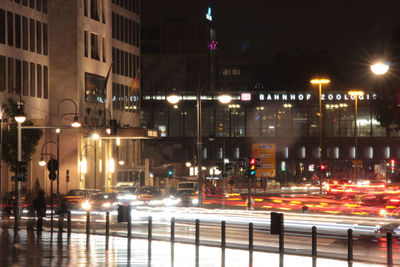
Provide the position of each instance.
(195, 201)
(86, 205)
(171, 201)
(106, 205)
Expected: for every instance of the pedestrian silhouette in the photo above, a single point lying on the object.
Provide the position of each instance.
(39, 205)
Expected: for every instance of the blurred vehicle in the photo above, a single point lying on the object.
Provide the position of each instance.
(187, 198)
(101, 202)
(126, 189)
(187, 186)
(148, 195)
(74, 199)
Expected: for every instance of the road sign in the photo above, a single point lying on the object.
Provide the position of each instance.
(267, 155)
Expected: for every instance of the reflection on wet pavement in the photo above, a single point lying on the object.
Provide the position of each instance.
(34, 249)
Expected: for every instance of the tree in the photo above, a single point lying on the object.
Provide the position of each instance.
(30, 137)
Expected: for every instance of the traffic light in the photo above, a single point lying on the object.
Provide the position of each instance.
(392, 165)
(322, 167)
(21, 171)
(170, 172)
(252, 166)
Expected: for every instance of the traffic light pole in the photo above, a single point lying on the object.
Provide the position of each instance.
(17, 214)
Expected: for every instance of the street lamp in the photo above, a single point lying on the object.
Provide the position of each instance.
(320, 82)
(355, 94)
(19, 118)
(75, 124)
(379, 68)
(174, 99)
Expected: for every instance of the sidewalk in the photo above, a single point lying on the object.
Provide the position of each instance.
(45, 249)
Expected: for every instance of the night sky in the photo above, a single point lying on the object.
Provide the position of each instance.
(353, 31)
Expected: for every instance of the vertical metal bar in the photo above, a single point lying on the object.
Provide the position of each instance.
(150, 226)
(88, 222)
(197, 240)
(129, 222)
(173, 229)
(281, 242)
(107, 223)
(69, 222)
(251, 226)
(51, 206)
(314, 241)
(389, 248)
(61, 224)
(223, 234)
(349, 245)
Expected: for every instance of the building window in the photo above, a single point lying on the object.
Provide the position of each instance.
(45, 6)
(94, 12)
(85, 8)
(17, 31)
(45, 42)
(32, 3)
(32, 34)
(86, 44)
(113, 60)
(25, 33)
(94, 42)
(45, 82)
(33, 81)
(25, 79)
(2, 73)
(102, 11)
(39, 36)
(39, 5)
(114, 24)
(25, 2)
(94, 88)
(10, 73)
(104, 49)
(2, 26)
(18, 75)
(39, 81)
(10, 29)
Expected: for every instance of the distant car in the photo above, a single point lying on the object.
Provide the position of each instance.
(103, 202)
(148, 195)
(74, 199)
(187, 198)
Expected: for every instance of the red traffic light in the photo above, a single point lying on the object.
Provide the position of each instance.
(253, 161)
(322, 167)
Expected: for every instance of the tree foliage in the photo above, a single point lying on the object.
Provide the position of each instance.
(30, 137)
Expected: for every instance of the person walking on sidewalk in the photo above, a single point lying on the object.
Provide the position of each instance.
(39, 204)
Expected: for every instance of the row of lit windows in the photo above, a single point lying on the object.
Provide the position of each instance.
(31, 78)
(94, 9)
(19, 31)
(125, 98)
(125, 30)
(125, 63)
(41, 5)
(94, 46)
(131, 5)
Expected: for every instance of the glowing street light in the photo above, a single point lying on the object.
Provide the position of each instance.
(379, 68)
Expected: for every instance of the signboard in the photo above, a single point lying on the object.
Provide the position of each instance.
(266, 153)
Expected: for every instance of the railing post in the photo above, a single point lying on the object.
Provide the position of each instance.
(69, 226)
(172, 229)
(197, 240)
(88, 222)
(314, 241)
(107, 223)
(223, 234)
(349, 245)
(150, 226)
(129, 225)
(251, 226)
(60, 223)
(389, 248)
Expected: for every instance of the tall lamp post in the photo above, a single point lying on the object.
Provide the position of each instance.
(174, 99)
(75, 124)
(1, 158)
(355, 94)
(320, 82)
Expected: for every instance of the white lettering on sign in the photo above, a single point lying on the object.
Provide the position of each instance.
(308, 97)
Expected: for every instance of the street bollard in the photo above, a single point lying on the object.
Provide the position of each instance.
(69, 226)
(197, 240)
(88, 222)
(349, 245)
(107, 223)
(129, 225)
(251, 247)
(172, 229)
(150, 226)
(389, 248)
(314, 241)
(60, 223)
(223, 234)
